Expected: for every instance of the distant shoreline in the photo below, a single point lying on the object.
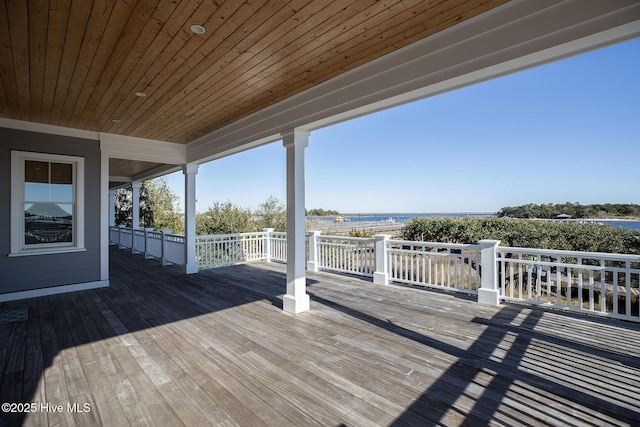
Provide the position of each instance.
(388, 214)
(414, 213)
(630, 219)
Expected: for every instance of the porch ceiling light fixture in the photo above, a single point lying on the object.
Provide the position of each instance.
(198, 29)
(115, 121)
(141, 94)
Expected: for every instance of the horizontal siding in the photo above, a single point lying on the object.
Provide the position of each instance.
(41, 271)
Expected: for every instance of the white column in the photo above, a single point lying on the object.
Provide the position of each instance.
(135, 213)
(296, 300)
(105, 219)
(112, 208)
(190, 171)
(489, 292)
(381, 258)
(135, 205)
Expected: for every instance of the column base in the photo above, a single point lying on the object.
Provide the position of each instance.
(489, 296)
(312, 266)
(380, 278)
(190, 268)
(295, 305)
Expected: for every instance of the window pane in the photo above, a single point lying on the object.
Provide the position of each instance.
(61, 182)
(36, 171)
(61, 193)
(61, 173)
(48, 223)
(39, 186)
(35, 192)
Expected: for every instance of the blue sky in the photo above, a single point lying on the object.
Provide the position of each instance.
(563, 132)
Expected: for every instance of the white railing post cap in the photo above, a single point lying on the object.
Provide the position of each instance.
(485, 243)
(382, 236)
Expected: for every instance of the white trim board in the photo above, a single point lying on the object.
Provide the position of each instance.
(55, 290)
(118, 146)
(50, 129)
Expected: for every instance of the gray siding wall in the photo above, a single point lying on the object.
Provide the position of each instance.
(43, 271)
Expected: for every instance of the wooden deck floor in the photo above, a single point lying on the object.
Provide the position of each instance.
(162, 348)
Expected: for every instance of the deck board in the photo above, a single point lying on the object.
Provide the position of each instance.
(158, 347)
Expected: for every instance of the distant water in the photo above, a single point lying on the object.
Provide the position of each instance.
(634, 225)
(397, 217)
(403, 217)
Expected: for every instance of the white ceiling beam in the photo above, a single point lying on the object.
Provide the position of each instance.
(141, 149)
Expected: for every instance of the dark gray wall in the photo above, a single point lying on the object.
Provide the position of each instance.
(42, 271)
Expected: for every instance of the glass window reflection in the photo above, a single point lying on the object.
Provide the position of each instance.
(48, 202)
(46, 223)
(44, 181)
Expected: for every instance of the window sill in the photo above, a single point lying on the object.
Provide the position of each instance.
(46, 252)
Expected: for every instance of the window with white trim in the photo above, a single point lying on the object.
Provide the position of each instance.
(47, 203)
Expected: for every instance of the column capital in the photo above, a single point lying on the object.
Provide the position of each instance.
(190, 168)
(135, 185)
(295, 138)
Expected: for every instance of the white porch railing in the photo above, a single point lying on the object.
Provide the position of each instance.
(353, 255)
(591, 282)
(228, 249)
(277, 243)
(125, 238)
(153, 245)
(594, 283)
(138, 241)
(174, 249)
(167, 247)
(437, 265)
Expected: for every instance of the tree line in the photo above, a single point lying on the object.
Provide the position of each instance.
(528, 234)
(229, 218)
(321, 212)
(158, 207)
(576, 210)
(159, 210)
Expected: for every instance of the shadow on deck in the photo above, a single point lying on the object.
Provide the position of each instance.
(162, 348)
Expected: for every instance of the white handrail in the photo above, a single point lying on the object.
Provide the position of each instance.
(589, 282)
(229, 249)
(435, 265)
(354, 255)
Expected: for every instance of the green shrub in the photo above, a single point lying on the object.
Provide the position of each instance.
(524, 233)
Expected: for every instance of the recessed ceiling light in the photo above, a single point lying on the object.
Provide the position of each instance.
(115, 121)
(140, 94)
(198, 29)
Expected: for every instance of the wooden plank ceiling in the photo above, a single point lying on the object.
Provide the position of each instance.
(79, 64)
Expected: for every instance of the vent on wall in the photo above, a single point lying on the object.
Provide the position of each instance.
(13, 316)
